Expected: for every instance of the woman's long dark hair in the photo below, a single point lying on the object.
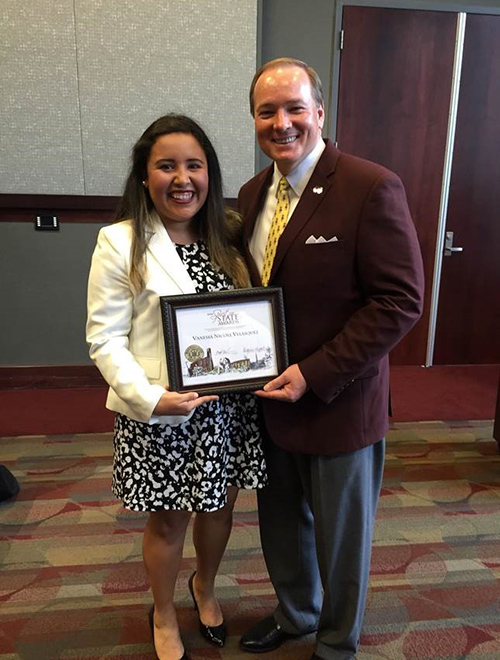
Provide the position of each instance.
(219, 226)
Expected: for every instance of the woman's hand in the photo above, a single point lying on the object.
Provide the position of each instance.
(176, 403)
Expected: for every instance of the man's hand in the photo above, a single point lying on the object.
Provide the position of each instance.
(288, 387)
(176, 403)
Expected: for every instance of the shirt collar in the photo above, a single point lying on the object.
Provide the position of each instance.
(299, 177)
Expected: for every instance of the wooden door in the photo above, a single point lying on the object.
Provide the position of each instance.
(394, 96)
(468, 321)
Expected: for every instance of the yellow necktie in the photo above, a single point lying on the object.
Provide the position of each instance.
(278, 224)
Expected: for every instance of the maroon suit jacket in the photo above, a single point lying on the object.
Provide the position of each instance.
(347, 303)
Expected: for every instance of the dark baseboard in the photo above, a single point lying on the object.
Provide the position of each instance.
(68, 208)
(50, 377)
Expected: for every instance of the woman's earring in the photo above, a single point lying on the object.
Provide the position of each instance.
(145, 183)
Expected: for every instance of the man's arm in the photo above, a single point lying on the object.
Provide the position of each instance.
(390, 272)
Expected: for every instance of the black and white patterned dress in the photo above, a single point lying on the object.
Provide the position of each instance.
(189, 467)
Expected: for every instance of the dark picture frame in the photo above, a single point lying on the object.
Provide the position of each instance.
(227, 341)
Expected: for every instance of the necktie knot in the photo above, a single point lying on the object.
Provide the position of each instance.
(282, 187)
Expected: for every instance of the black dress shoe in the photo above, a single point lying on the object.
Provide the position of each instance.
(216, 635)
(267, 635)
(151, 618)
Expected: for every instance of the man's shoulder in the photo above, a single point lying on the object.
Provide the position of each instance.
(332, 160)
(344, 164)
(353, 166)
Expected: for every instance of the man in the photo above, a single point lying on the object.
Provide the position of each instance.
(340, 241)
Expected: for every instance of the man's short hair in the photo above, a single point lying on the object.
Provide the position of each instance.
(314, 79)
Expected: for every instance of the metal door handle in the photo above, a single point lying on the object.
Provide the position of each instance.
(448, 245)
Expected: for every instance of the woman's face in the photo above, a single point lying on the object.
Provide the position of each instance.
(177, 180)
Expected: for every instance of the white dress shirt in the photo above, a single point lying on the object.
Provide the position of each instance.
(297, 179)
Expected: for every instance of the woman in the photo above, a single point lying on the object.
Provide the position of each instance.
(174, 453)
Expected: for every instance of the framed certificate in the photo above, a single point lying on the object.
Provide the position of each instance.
(227, 341)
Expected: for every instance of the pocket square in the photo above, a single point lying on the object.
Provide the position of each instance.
(312, 240)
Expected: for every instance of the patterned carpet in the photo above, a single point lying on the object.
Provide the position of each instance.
(72, 586)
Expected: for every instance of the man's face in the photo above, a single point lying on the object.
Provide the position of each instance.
(288, 121)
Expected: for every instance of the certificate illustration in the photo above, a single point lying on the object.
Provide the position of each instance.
(225, 341)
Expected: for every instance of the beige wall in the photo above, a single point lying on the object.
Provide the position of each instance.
(81, 80)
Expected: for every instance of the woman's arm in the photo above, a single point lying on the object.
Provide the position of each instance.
(109, 322)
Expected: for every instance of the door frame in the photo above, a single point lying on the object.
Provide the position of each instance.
(461, 9)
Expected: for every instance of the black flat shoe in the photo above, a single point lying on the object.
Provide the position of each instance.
(216, 635)
(267, 635)
(151, 618)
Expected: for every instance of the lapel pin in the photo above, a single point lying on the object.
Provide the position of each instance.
(318, 190)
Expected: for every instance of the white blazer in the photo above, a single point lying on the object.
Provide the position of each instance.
(124, 330)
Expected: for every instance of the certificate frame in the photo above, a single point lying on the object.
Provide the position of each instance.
(203, 331)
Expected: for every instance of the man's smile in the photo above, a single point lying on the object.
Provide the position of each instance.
(286, 140)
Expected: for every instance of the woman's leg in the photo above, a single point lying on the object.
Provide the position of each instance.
(162, 552)
(210, 536)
